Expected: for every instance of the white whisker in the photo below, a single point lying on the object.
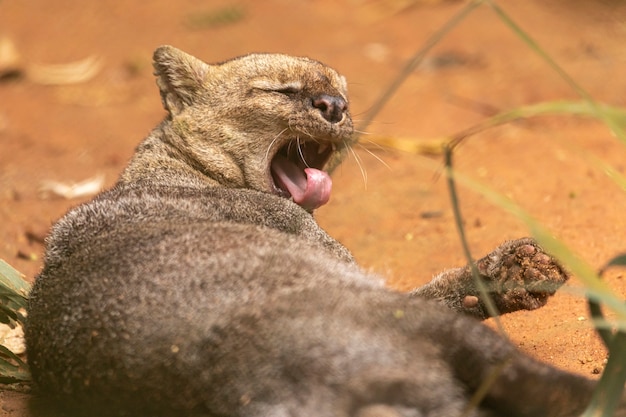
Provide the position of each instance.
(303, 130)
(378, 158)
(359, 162)
(300, 152)
(372, 144)
(267, 153)
(308, 134)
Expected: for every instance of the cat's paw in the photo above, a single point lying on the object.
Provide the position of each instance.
(519, 275)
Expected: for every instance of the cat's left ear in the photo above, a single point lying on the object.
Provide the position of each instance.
(180, 77)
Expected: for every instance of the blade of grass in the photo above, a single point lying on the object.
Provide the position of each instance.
(557, 107)
(13, 294)
(595, 309)
(608, 392)
(619, 260)
(414, 62)
(458, 220)
(607, 118)
(13, 298)
(11, 278)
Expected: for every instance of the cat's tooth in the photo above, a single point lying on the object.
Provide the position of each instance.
(322, 148)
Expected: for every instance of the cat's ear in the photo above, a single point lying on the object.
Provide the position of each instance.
(180, 77)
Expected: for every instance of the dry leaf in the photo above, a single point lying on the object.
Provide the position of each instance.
(88, 187)
(10, 61)
(12, 338)
(70, 73)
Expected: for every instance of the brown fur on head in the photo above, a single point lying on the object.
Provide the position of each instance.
(231, 119)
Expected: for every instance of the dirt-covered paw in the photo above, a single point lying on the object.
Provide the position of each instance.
(520, 276)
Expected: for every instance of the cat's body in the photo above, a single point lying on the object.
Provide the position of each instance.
(197, 287)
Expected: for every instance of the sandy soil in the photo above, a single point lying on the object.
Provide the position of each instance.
(398, 220)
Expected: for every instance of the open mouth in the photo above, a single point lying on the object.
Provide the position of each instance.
(297, 171)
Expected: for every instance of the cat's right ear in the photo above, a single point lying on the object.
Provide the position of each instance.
(180, 77)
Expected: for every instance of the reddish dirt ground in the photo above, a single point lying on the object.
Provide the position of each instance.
(397, 222)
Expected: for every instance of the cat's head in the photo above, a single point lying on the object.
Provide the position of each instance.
(282, 120)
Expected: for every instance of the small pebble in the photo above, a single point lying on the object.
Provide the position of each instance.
(431, 214)
(376, 52)
(29, 256)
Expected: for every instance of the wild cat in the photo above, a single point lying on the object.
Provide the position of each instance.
(201, 285)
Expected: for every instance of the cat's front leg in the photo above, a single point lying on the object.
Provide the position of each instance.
(518, 275)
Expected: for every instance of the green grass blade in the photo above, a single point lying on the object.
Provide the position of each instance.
(458, 219)
(13, 280)
(13, 294)
(619, 260)
(547, 108)
(12, 367)
(13, 298)
(608, 393)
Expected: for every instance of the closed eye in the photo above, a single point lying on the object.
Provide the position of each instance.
(288, 89)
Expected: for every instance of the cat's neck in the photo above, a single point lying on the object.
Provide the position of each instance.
(162, 159)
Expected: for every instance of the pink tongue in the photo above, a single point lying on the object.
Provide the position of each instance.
(309, 188)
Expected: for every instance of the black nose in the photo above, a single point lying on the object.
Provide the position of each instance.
(332, 107)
